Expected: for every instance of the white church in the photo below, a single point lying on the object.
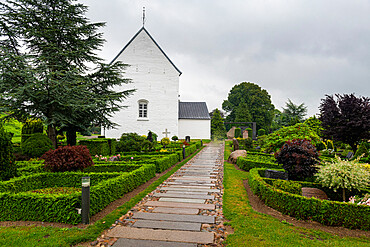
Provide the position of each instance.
(155, 104)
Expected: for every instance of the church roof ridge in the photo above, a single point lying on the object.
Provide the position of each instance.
(143, 29)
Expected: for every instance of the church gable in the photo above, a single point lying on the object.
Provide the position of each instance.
(143, 46)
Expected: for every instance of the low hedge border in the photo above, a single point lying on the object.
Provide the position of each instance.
(247, 164)
(166, 162)
(17, 203)
(103, 146)
(331, 213)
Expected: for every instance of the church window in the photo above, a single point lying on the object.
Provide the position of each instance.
(143, 109)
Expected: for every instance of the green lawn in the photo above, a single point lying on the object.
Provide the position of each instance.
(27, 236)
(255, 229)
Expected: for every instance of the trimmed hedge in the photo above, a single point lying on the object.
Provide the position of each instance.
(262, 161)
(331, 213)
(166, 162)
(103, 146)
(17, 203)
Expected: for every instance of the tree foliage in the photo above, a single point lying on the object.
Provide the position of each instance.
(293, 114)
(346, 118)
(257, 101)
(45, 47)
(314, 124)
(8, 168)
(343, 174)
(218, 130)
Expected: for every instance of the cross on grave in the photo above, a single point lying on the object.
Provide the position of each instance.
(166, 132)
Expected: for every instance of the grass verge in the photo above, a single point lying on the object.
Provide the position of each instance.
(255, 229)
(28, 236)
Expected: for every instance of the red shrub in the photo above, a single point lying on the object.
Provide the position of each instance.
(68, 158)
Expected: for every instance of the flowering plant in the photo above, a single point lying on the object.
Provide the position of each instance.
(360, 200)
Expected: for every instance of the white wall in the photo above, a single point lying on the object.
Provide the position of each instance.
(196, 129)
(155, 80)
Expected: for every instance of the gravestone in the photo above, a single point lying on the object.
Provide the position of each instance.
(349, 155)
(187, 139)
(314, 192)
(234, 156)
(231, 133)
(245, 134)
(276, 174)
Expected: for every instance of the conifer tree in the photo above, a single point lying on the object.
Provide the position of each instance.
(218, 130)
(49, 68)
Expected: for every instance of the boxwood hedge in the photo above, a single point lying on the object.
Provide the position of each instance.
(327, 212)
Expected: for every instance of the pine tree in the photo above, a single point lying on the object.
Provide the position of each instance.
(45, 47)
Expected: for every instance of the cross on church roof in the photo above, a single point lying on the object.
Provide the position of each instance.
(166, 132)
(143, 16)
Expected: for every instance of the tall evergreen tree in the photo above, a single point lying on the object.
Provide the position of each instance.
(45, 47)
(293, 114)
(218, 130)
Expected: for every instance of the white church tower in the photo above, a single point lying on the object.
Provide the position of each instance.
(154, 105)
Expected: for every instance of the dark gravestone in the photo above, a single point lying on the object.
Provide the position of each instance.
(349, 155)
(187, 138)
(235, 144)
(276, 174)
(101, 136)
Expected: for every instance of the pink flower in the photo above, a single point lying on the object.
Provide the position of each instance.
(132, 158)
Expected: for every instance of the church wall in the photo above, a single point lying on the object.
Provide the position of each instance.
(157, 82)
(195, 128)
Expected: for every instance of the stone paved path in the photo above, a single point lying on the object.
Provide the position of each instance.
(186, 210)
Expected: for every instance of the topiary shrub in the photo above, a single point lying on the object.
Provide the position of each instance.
(36, 145)
(250, 134)
(67, 158)
(8, 168)
(298, 158)
(248, 143)
(165, 141)
(31, 126)
(174, 138)
(261, 132)
(238, 132)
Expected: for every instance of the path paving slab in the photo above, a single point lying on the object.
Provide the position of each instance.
(179, 205)
(196, 178)
(190, 189)
(175, 210)
(180, 195)
(162, 235)
(186, 200)
(124, 242)
(188, 192)
(187, 182)
(168, 225)
(186, 186)
(174, 217)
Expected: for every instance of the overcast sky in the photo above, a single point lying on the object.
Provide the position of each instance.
(294, 49)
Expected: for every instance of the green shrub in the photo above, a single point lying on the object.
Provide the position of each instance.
(165, 141)
(100, 146)
(362, 150)
(261, 132)
(288, 186)
(36, 145)
(323, 211)
(250, 132)
(276, 140)
(248, 143)
(298, 158)
(166, 162)
(31, 126)
(8, 168)
(255, 161)
(133, 142)
(238, 133)
(67, 158)
(174, 138)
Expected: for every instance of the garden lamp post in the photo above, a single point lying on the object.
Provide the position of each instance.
(183, 151)
(85, 204)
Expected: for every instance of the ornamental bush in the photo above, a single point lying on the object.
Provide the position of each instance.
(8, 168)
(174, 138)
(362, 150)
(298, 158)
(261, 132)
(67, 158)
(131, 142)
(36, 145)
(343, 174)
(165, 141)
(275, 140)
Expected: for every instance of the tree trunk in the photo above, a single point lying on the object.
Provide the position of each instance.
(344, 194)
(71, 136)
(52, 135)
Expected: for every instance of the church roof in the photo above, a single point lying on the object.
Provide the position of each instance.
(193, 110)
(144, 30)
